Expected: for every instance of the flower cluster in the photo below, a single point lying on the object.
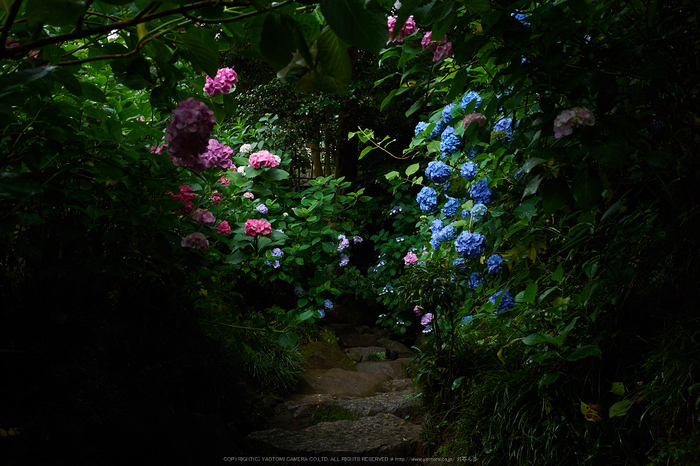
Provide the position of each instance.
(343, 242)
(245, 149)
(408, 28)
(477, 118)
(262, 159)
(262, 208)
(344, 260)
(195, 240)
(447, 113)
(502, 129)
(468, 171)
(470, 245)
(427, 199)
(254, 227)
(506, 302)
(224, 228)
(480, 192)
(185, 197)
(222, 83)
(188, 132)
(410, 258)
(438, 172)
(217, 155)
(451, 206)
(476, 280)
(567, 120)
(477, 212)
(203, 216)
(494, 264)
(450, 142)
(420, 127)
(437, 130)
(468, 97)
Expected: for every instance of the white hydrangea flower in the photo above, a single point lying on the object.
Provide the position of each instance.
(245, 148)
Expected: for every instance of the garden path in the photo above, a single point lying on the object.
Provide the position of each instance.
(356, 402)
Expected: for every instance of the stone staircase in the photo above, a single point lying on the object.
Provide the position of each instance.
(356, 403)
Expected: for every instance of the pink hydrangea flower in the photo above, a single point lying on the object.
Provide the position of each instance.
(410, 258)
(185, 197)
(474, 117)
(159, 149)
(225, 181)
(203, 216)
(249, 195)
(254, 227)
(263, 159)
(426, 319)
(417, 310)
(224, 228)
(427, 41)
(188, 132)
(567, 120)
(408, 28)
(443, 50)
(222, 83)
(217, 155)
(195, 240)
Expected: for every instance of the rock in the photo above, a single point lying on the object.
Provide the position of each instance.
(383, 435)
(364, 351)
(342, 382)
(395, 349)
(398, 403)
(397, 385)
(320, 355)
(347, 340)
(395, 369)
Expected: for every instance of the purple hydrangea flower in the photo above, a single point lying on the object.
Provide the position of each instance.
(217, 155)
(343, 242)
(188, 132)
(426, 319)
(480, 192)
(469, 170)
(344, 260)
(450, 142)
(262, 208)
(470, 244)
(356, 239)
(322, 313)
(427, 199)
(438, 172)
(277, 252)
(222, 83)
(507, 301)
(274, 264)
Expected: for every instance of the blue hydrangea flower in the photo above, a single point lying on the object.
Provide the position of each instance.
(503, 128)
(274, 264)
(435, 240)
(436, 225)
(476, 280)
(451, 206)
(519, 176)
(507, 301)
(478, 212)
(399, 239)
(450, 142)
(468, 97)
(277, 252)
(468, 170)
(395, 210)
(322, 312)
(438, 172)
(521, 17)
(466, 214)
(470, 245)
(473, 151)
(466, 320)
(437, 130)
(379, 265)
(480, 192)
(446, 233)
(262, 208)
(494, 264)
(328, 304)
(427, 199)
(460, 261)
(357, 239)
(446, 116)
(420, 127)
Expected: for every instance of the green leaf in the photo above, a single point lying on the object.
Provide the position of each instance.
(412, 169)
(416, 106)
(531, 163)
(612, 209)
(11, 81)
(92, 92)
(537, 338)
(391, 175)
(532, 186)
(530, 293)
(584, 352)
(619, 408)
(201, 50)
(54, 12)
(558, 274)
(335, 64)
(277, 43)
(479, 7)
(238, 257)
(618, 388)
(66, 77)
(549, 379)
(275, 174)
(361, 23)
(288, 339)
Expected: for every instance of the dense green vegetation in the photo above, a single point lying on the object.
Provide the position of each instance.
(536, 233)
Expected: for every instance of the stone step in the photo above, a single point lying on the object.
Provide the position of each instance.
(362, 353)
(383, 435)
(395, 369)
(341, 382)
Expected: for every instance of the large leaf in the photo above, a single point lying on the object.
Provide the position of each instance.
(11, 81)
(201, 50)
(54, 12)
(278, 42)
(333, 58)
(361, 23)
(586, 188)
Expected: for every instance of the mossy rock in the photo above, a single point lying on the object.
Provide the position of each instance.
(325, 355)
(332, 414)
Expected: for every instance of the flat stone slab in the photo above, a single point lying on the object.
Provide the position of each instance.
(395, 369)
(395, 349)
(362, 352)
(398, 403)
(320, 355)
(340, 382)
(397, 385)
(383, 435)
